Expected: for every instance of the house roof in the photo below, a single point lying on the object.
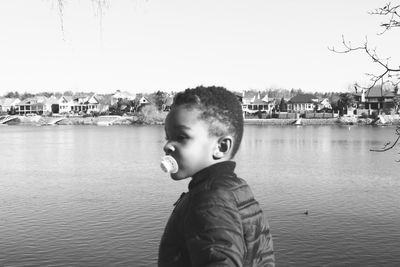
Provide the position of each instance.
(8, 101)
(258, 102)
(141, 96)
(255, 98)
(374, 92)
(144, 98)
(68, 98)
(92, 99)
(27, 101)
(303, 98)
(251, 94)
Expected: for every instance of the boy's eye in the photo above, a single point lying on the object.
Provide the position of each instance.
(181, 137)
(176, 138)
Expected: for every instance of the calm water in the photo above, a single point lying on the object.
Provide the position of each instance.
(94, 196)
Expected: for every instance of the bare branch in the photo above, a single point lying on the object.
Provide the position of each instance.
(392, 13)
(387, 146)
(388, 73)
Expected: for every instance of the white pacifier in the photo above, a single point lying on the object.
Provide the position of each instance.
(169, 164)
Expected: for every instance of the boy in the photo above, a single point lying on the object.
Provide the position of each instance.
(217, 222)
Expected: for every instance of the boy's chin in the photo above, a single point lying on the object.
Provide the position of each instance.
(178, 176)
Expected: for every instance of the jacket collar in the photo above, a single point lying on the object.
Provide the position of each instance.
(215, 170)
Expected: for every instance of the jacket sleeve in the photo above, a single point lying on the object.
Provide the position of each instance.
(213, 230)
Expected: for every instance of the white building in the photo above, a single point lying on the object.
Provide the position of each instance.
(6, 104)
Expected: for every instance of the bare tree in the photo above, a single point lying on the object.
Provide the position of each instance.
(390, 73)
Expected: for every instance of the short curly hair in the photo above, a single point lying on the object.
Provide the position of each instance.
(219, 107)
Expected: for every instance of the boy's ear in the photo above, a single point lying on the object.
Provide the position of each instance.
(223, 148)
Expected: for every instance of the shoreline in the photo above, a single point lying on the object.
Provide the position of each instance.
(290, 121)
(136, 120)
(79, 120)
(382, 120)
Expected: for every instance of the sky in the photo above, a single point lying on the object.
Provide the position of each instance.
(142, 46)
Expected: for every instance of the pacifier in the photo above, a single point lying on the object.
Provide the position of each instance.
(169, 164)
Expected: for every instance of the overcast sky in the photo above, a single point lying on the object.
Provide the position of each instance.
(150, 45)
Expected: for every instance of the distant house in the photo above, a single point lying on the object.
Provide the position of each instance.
(253, 102)
(33, 105)
(302, 103)
(7, 104)
(121, 96)
(375, 98)
(324, 104)
(79, 103)
(86, 103)
(93, 104)
(65, 104)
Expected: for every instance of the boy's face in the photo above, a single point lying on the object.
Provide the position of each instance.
(188, 141)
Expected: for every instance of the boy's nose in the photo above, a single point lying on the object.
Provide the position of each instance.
(169, 148)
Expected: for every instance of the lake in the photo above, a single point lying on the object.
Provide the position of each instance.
(95, 196)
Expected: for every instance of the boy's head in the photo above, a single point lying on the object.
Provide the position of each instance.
(204, 126)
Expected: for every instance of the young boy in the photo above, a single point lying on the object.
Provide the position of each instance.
(217, 222)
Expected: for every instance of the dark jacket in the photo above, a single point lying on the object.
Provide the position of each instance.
(217, 223)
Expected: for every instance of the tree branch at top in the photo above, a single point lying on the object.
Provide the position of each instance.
(392, 13)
